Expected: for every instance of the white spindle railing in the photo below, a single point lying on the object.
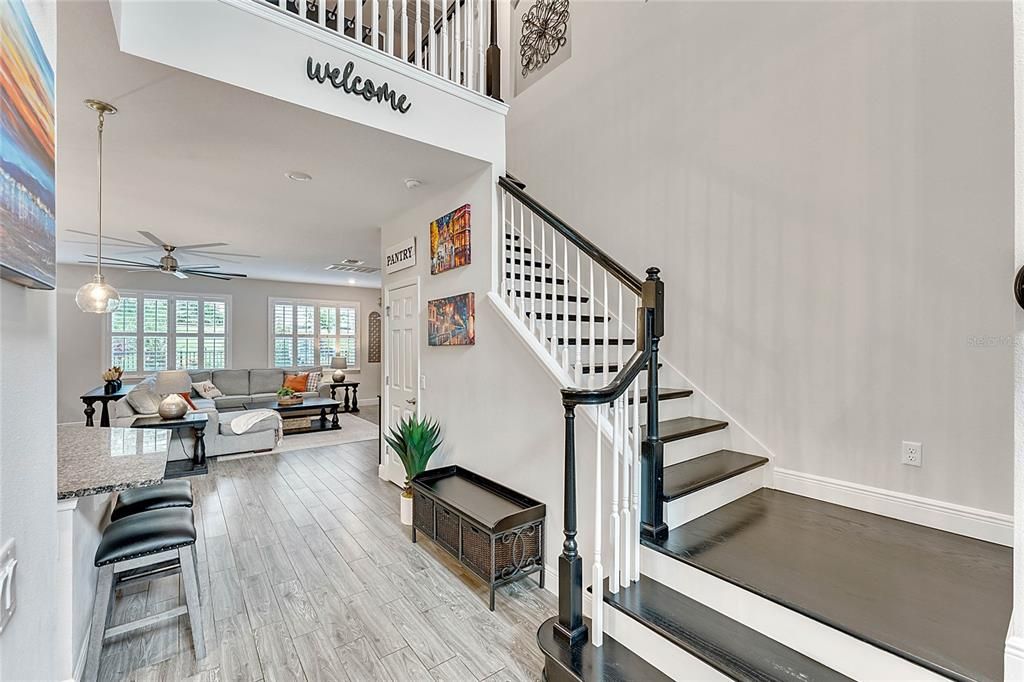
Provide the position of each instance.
(541, 269)
(453, 47)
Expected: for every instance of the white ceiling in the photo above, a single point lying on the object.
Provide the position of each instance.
(195, 160)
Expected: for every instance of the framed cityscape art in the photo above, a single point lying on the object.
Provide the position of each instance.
(449, 241)
(451, 321)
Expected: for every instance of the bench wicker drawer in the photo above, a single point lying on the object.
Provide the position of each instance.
(447, 534)
(423, 512)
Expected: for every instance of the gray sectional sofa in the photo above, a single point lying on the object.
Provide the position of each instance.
(240, 387)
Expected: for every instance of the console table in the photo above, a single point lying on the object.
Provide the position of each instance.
(98, 395)
(354, 385)
(177, 468)
(492, 530)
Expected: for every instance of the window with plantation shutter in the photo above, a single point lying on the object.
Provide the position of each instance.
(154, 331)
(308, 333)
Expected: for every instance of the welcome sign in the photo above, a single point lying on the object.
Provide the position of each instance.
(342, 79)
(400, 256)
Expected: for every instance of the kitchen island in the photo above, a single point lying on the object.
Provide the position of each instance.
(92, 464)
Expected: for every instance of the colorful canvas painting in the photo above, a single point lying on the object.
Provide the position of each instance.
(449, 241)
(27, 186)
(451, 321)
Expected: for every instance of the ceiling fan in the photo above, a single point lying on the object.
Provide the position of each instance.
(168, 262)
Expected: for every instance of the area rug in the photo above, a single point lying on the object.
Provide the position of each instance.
(353, 430)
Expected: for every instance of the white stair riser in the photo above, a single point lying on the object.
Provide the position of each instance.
(686, 449)
(839, 651)
(697, 504)
(656, 650)
(669, 409)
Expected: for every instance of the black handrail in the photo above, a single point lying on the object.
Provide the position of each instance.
(628, 279)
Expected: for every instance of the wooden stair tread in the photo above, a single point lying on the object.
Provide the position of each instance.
(602, 369)
(571, 298)
(573, 317)
(685, 427)
(730, 647)
(536, 278)
(664, 394)
(612, 661)
(529, 263)
(700, 472)
(562, 341)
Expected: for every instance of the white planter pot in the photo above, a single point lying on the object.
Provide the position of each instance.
(407, 510)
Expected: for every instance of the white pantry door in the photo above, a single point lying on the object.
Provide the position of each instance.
(403, 368)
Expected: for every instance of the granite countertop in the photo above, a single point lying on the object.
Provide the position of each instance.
(93, 460)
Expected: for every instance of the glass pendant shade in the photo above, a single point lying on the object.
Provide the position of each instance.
(98, 297)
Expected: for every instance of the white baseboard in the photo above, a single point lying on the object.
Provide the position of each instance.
(1013, 660)
(80, 661)
(955, 518)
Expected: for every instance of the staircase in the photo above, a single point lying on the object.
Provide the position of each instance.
(668, 464)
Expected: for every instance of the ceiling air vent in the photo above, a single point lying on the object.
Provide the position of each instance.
(352, 265)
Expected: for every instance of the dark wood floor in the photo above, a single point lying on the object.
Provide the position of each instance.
(931, 596)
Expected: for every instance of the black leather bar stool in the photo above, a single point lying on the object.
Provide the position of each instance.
(147, 498)
(145, 546)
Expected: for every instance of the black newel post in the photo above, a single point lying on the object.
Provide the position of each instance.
(652, 465)
(494, 57)
(570, 624)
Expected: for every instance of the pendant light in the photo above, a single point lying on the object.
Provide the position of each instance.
(97, 296)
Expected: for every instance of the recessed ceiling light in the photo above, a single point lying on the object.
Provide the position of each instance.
(412, 183)
(298, 176)
(352, 261)
(351, 280)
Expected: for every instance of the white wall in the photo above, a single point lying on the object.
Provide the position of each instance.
(28, 477)
(82, 358)
(828, 190)
(500, 411)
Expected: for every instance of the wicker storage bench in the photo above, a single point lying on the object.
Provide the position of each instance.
(492, 530)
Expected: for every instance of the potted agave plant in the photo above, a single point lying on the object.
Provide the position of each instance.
(414, 440)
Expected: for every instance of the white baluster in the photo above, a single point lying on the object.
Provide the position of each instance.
(482, 61)
(457, 70)
(533, 270)
(627, 490)
(443, 57)
(419, 34)
(503, 270)
(607, 326)
(613, 530)
(403, 52)
(431, 52)
(591, 380)
(543, 286)
(358, 16)
(321, 13)
(579, 322)
(374, 22)
(470, 18)
(565, 303)
(597, 583)
(389, 35)
(522, 265)
(636, 477)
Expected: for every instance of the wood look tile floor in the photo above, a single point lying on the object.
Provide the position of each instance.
(306, 573)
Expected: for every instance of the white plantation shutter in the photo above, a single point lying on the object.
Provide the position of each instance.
(306, 333)
(154, 331)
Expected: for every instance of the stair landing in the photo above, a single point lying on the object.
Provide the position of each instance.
(940, 600)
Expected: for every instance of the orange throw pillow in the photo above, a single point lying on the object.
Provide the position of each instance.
(297, 382)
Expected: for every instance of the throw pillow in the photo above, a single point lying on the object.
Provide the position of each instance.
(143, 399)
(206, 389)
(313, 383)
(121, 410)
(296, 382)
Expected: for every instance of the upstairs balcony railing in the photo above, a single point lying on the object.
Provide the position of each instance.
(457, 41)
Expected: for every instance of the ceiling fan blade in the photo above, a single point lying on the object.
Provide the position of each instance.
(219, 274)
(113, 239)
(153, 238)
(179, 274)
(122, 260)
(211, 254)
(211, 276)
(193, 247)
(199, 267)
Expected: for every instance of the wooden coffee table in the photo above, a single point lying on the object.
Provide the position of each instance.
(325, 405)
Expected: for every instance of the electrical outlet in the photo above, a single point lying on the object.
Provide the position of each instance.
(911, 454)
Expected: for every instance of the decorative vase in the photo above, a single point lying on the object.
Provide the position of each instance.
(111, 387)
(172, 407)
(407, 510)
(338, 376)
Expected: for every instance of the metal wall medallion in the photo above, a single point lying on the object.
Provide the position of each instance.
(373, 355)
(545, 26)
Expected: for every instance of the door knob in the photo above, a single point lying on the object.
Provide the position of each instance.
(411, 401)
(1018, 287)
